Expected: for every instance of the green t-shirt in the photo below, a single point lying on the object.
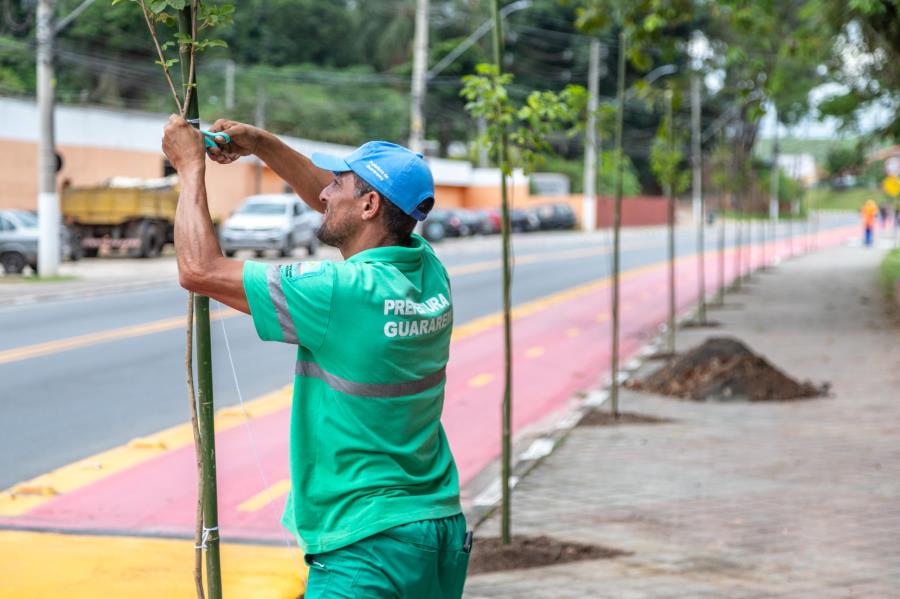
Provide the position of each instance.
(367, 449)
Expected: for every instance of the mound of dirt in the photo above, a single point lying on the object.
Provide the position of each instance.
(490, 555)
(723, 369)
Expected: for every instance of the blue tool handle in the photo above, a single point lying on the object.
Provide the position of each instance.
(209, 138)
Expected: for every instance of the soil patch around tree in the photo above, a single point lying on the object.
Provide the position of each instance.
(724, 369)
(490, 555)
(605, 418)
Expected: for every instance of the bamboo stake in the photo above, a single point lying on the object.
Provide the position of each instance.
(209, 541)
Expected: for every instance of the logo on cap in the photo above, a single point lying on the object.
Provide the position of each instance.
(377, 170)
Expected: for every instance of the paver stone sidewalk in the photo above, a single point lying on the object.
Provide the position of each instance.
(737, 500)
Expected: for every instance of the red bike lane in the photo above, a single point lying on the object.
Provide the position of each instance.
(561, 346)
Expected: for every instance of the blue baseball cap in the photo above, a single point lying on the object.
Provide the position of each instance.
(399, 174)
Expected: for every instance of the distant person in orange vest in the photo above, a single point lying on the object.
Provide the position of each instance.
(869, 214)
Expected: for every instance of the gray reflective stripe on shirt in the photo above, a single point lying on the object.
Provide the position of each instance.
(276, 293)
(382, 390)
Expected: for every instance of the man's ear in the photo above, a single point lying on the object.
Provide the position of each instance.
(371, 204)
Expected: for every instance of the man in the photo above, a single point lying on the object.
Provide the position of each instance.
(869, 213)
(375, 496)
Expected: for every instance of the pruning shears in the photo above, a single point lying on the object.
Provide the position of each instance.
(209, 138)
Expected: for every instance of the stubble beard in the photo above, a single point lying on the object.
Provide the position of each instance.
(333, 233)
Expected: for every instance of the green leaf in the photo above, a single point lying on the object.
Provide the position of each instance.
(158, 6)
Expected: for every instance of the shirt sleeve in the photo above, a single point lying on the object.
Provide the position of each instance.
(290, 303)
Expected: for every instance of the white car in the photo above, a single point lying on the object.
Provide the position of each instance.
(280, 222)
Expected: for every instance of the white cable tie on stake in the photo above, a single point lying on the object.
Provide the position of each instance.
(205, 537)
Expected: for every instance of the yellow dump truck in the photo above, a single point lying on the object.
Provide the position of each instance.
(131, 215)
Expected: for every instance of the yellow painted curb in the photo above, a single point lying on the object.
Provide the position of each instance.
(42, 565)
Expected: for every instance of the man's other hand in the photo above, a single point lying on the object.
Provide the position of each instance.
(244, 140)
(182, 145)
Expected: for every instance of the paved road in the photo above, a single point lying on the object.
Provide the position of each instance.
(122, 377)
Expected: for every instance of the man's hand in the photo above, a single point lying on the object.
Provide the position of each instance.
(244, 141)
(183, 145)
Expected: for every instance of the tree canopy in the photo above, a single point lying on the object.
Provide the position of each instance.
(339, 71)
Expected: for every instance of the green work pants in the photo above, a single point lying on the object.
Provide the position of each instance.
(420, 560)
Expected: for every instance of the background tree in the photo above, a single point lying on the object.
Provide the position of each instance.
(516, 135)
(668, 163)
(841, 161)
(865, 60)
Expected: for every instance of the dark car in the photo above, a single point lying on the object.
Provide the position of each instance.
(453, 224)
(555, 216)
(433, 229)
(488, 221)
(523, 221)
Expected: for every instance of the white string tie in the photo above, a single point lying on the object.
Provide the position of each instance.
(205, 537)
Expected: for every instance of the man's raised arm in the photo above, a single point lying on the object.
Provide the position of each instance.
(306, 180)
(201, 266)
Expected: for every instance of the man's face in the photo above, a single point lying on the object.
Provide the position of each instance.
(342, 211)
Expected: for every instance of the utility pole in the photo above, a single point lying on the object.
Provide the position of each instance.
(229, 84)
(589, 206)
(419, 79)
(47, 200)
(697, 164)
(259, 121)
(617, 223)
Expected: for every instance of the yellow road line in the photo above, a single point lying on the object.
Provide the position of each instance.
(27, 495)
(51, 347)
(534, 352)
(80, 341)
(39, 565)
(484, 323)
(266, 496)
(474, 267)
(481, 380)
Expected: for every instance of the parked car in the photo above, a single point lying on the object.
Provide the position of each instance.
(523, 221)
(19, 241)
(555, 216)
(488, 221)
(431, 229)
(471, 221)
(280, 222)
(451, 221)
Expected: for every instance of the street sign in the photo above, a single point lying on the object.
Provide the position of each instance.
(891, 186)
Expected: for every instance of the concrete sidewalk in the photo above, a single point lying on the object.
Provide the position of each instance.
(738, 500)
